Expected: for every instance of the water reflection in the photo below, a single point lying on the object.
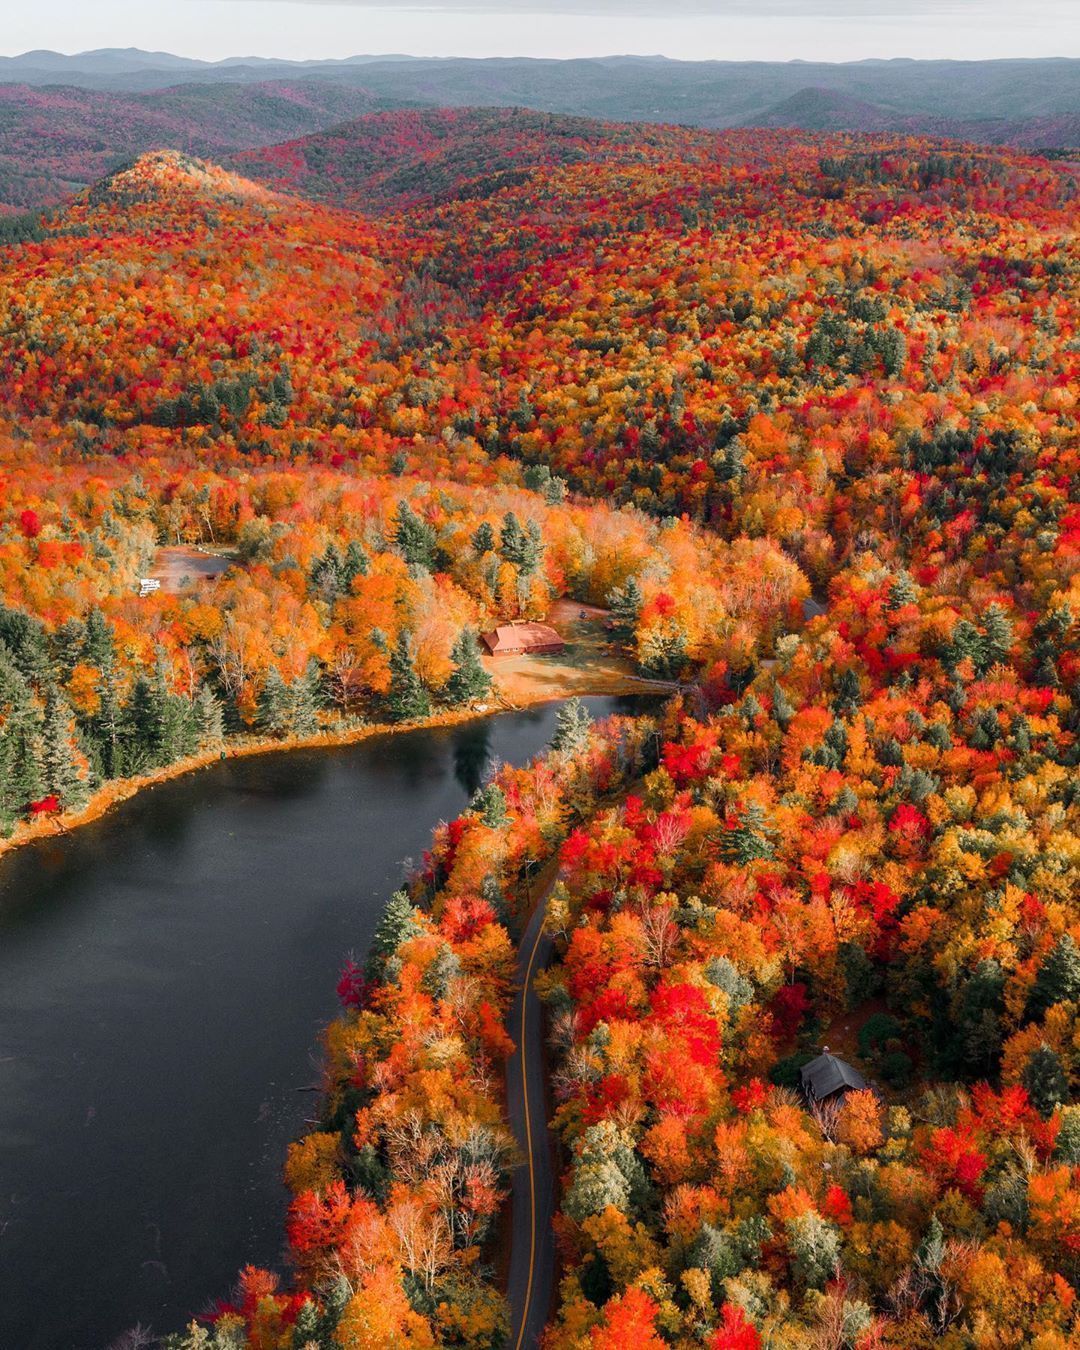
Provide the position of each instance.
(164, 975)
(472, 754)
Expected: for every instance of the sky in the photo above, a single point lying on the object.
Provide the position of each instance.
(832, 30)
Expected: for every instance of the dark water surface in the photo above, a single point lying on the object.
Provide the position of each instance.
(164, 975)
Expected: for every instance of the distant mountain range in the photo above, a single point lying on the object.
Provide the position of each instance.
(67, 120)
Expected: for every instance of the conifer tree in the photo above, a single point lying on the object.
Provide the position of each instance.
(174, 725)
(107, 724)
(305, 697)
(20, 743)
(1044, 1080)
(408, 699)
(469, 681)
(572, 724)
(65, 772)
(398, 922)
(414, 538)
(98, 646)
(489, 803)
(625, 603)
(356, 564)
(1058, 980)
(483, 540)
(209, 720)
(272, 712)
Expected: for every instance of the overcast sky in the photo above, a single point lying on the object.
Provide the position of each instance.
(832, 30)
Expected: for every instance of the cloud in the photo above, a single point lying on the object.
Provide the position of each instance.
(758, 9)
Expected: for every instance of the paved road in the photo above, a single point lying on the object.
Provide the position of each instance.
(532, 1243)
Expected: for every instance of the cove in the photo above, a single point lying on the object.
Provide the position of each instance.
(164, 976)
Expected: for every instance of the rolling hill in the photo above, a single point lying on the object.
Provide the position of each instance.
(56, 139)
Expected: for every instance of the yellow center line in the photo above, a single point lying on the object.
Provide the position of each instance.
(528, 1138)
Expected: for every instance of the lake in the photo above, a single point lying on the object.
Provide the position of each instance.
(164, 976)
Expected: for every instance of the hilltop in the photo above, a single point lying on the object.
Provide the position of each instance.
(55, 140)
(66, 120)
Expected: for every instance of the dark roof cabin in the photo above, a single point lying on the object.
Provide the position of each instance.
(513, 638)
(827, 1076)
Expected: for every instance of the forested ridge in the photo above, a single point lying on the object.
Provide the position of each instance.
(801, 413)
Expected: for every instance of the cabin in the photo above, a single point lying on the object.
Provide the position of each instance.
(514, 639)
(147, 586)
(829, 1078)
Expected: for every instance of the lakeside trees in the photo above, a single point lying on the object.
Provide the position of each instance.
(802, 411)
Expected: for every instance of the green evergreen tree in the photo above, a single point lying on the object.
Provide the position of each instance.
(663, 655)
(399, 922)
(998, 636)
(209, 719)
(572, 725)
(847, 694)
(782, 707)
(512, 541)
(272, 714)
(489, 803)
(304, 700)
(415, 539)
(748, 840)
(64, 768)
(98, 647)
(902, 592)
(20, 744)
(625, 603)
(175, 731)
(139, 728)
(408, 699)
(106, 728)
(356, 564)
(483, 540)
(1044, 1081)
(1058, 979)
(306, 1332)
(469, 681)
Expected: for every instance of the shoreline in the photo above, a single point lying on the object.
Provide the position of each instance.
(119, 790)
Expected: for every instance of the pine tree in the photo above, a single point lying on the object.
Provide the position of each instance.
(306, 1332)
(305, 698)
(209, 719)
(272, 712)
(512, 541)
(902, 592)
(625, 603)
(175, 734)
(98, 646)
(998, 638)
(1058, 980)
(64, 768)
(483, 540)
(748, 840)
(20, 744)
(326, 575)
(469, 681)
(489, 803)
(399, 921)
(408, 699)
(356, 564)
(107, 725)
(414, 538)
(1044, 1081)
(572, 724)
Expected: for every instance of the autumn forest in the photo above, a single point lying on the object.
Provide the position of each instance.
(798, 415)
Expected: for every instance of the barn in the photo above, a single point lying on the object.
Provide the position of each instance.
(513, 639)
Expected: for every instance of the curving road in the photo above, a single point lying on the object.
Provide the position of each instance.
(532, 1242)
